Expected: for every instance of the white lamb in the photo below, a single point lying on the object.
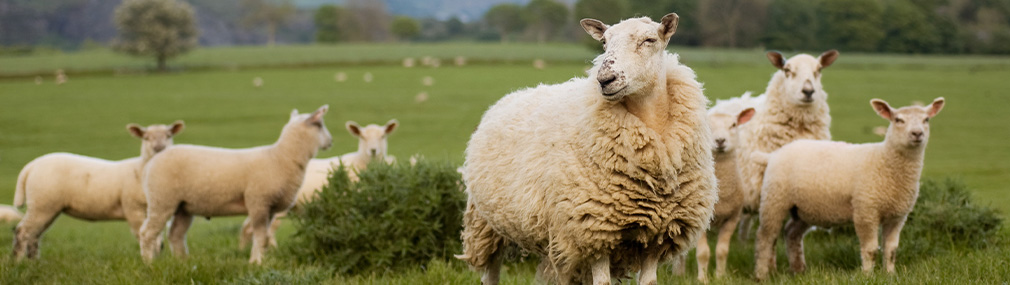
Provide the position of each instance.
(602, 175)
(188, 180)
(795, 107)
(9, 214)
(86, 188)
(724, 119)
(372, 146)
(825, 183)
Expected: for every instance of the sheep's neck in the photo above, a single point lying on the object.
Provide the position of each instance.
(902, 165)
(290, 147)
(647, 107)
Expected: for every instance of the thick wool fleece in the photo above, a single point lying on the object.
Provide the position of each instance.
(562, 172)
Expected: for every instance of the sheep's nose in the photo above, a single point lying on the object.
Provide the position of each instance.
(373, 152)
(917, 134)
(808, 92)
(159, 148)
(720, 142)
(606, 80)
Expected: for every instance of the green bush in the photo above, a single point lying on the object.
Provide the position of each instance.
(395, 217)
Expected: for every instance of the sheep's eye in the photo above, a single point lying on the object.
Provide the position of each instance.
(733, 126)
(650, 40)
(899, 121)
(926, 120)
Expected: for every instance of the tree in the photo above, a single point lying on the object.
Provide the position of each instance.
(545, 17)
(607, 11)
(160, 28)
(506, 19)
(269, 14)
(731, 23)
(406, 28)
(792, 25)
(908, 30)
(851, 24)
(327, 20)
(370, 19)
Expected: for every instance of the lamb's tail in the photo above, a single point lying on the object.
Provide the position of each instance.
(760, 157)
(19, 192)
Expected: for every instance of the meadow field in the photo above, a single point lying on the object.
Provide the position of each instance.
(212, 91)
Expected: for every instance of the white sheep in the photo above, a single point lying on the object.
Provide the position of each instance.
(724, 119)
(602, 175)
(795, 107)
(9, 214)
(86, 188)
(826, 183)
(372, 146)
(188, 180)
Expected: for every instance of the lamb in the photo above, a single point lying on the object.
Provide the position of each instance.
(795, 108)
(85, 188)
(9, 214)
(189, 180)
(826, 183)
(602, 175)
(372, 146)
(724, 119)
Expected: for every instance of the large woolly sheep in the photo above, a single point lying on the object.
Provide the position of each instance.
(9, 214)
(189, 180)
(724, 118)
(825, 183)
(372, 146)
(795, 107)
(85, 188)
(601, 175)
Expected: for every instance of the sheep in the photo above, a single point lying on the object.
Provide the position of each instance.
(827, 183)
(795, 107)
(603, 175)
(85, 188)
(372, 146)
(724, 119)
(9, 214)
(188, 180)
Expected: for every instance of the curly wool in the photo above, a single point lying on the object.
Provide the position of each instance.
(562, 172)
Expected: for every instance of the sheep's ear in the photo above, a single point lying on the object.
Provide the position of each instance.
(354, 128)
(934, 107)
(294, 113)
(177, 127)
(827, 58)
(668, 26)
(882, 108)
(135, 130)
(594, 27)
(745, 116)
(317, 116)
(776, 58)
(391, 125)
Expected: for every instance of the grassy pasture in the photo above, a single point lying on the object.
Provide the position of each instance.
(222, 108)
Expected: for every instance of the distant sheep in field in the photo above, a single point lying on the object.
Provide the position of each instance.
(61, 77)
(408, 62)
(190, 180)
(368, 77)
(795, 107)
(428, 81)
(460, 61)
(340, 77)
(38, 80)
(372, 146)
(602, 175)
(539, 64)
(257, 82)
(421, 97)
(85, 188)
(826, 183)
(724, 118)
(9, 214)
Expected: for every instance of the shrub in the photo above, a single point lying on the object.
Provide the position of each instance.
(396, 216)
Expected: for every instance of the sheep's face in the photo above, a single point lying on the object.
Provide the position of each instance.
(799, 78)
(311, 127)
(724, 129)
(372, 138)
(909, 126)
(633, 54)
(155, 138)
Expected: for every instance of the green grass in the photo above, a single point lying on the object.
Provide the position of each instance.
(221, 108)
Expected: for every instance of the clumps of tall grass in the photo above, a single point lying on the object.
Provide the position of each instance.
(396, 217)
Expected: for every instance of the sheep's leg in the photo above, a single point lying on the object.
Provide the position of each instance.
(702, 253)
(680, 264)
(650, 264)
(601, 270)
(157, 216)
(272, 233)
(177, 234)
(795, 230)
(30, 229)
(245, 234)
(892, 233)
(135, 218)
(866, 229)
(746, 229)
(722, 245)
(492, 272)
(768, 231)
(260, 220)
